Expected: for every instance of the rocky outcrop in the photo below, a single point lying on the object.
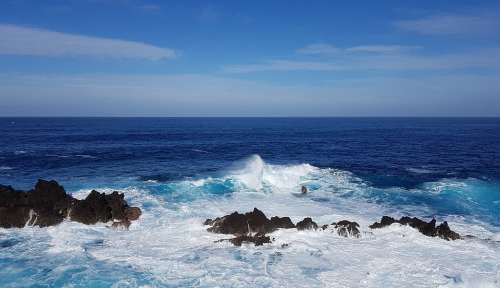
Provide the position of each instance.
(307, 224)
(254, 222)
(250, 227)
(347, 228)
(257, 240)
(427, 228)
(48, 204)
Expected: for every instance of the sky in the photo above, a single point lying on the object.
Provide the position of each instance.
(249, 58)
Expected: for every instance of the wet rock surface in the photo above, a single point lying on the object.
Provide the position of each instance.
(250, 227)
(258, 240)
(48, 204)
(251, 222)
(253, 226)
(427, 228)
(307, 224)
(347, 228)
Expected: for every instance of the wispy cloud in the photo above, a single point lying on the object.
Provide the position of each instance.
(319, 49)
(381, 48)
(481, 58)
(18, 40)
(323, 49)
(450, 24)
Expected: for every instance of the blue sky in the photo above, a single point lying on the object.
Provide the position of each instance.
(249, 58)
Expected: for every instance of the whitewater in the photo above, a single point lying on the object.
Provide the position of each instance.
(169, 246)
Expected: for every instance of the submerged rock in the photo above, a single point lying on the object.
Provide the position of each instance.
(427, 228)
(258, 240)
(48, 204)
(307, 224)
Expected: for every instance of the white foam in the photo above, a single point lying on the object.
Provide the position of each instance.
(170, 244)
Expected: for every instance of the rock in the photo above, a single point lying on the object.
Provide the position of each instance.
(45, 205)
(281, 222)
(254, 222)
(307, 224)
(385, 221)
(48, 204)
(426, 228)
(347, 228)
(234, 223)
(446, 233)
(99, 207)
(258, 240)
(133, 213)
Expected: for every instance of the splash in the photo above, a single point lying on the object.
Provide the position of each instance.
(257, 175)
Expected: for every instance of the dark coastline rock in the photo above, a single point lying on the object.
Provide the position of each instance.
(307, 224)
(48, 204)
(250, 227)
(251, 222)
(347, 228)
(258, 240)
(427, 228)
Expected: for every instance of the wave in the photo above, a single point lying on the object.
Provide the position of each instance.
(6, 168)
(169, 246)
(476, 198)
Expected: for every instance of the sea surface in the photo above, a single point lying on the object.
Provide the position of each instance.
(181, 171)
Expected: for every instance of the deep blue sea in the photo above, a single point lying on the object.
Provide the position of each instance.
(183, 170)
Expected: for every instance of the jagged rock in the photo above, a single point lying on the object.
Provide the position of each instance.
(48, 204)
(250, 222)
(347, 228)
(307, 224)
(282, 222)
(426, 228)
(258, 240)
(45, 205)
(99, 207)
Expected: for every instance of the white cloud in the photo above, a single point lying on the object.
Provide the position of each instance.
(453, 25)
(319, 49)
(282, 65)
(381, 48)
(481, 58)
(17, 40)
(331, 50)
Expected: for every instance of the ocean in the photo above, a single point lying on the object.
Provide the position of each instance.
(181, 171)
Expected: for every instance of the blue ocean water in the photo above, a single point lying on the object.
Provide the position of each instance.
(182, 170)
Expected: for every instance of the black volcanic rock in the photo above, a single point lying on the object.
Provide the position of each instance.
(48, 204)
(99, 207)
(347, 228)
(426, 228)
(258, 240)
(282, 222)
(307, 224)
(249, 227)
(251, 222)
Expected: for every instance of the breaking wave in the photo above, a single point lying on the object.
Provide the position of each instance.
(169, 246)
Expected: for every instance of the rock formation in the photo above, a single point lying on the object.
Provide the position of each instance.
(48, 204)
(426, 228)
